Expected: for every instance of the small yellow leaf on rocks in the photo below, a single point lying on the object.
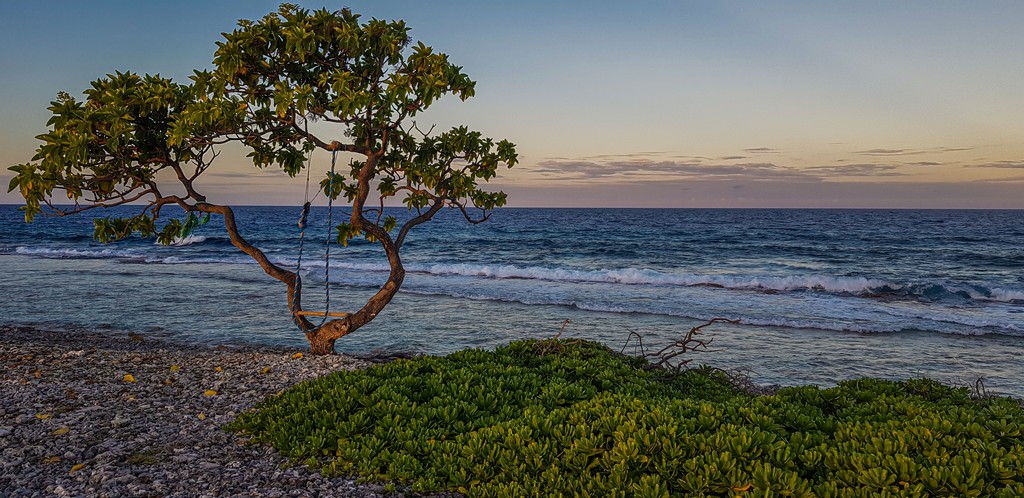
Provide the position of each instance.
(168, 381)
(42, 416)
(61, 431)
(37, 374)
(76, 467)
(129, 378)
(266, 369)
(52, 459)
(218, 369)
(174, 368)
(202, 416)
(210, 392)
(296, 356)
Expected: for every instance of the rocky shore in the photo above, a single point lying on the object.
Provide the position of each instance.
(87, 413)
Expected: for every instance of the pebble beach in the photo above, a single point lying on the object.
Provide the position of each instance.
(105, 413)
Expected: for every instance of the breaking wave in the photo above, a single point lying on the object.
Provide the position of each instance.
(45, 252)
(187, 241)
(853, 286)
(841, 285)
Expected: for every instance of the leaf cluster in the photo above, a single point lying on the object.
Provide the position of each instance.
(584, 421)
(109, 148)
(330, 66)
(103, 147)
(297, 67)
(273, 80)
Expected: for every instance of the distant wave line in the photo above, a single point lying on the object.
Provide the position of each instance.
(843, 285)
(808, 324)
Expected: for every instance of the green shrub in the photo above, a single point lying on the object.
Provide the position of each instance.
(542, 418)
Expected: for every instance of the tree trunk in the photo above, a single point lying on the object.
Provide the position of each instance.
(321, 339)
(320, 342)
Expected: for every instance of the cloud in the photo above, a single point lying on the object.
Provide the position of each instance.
(885, 152)
(588, 169)
(909, 152)
(658, 171)
(856, 170)
(692, 159)
(641, 168)
(1001, 164)
(632, 155)
(1008, 179)
(634, 169)
(647, 170)
(761, 150)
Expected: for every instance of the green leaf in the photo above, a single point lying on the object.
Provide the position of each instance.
(346, 232)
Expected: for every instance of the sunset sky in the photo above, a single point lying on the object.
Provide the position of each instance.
(628, 104)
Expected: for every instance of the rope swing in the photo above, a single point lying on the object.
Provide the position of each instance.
(297, 312)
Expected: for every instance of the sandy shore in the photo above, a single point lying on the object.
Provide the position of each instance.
(86, 413)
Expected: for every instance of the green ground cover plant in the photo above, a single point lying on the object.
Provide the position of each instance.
(573, 418)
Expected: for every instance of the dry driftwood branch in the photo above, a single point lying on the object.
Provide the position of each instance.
(552, 345)
(668, 358)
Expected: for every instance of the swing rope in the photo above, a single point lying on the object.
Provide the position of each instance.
(327, 246)
(296, 316)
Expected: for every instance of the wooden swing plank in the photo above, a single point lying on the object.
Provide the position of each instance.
(338, 314)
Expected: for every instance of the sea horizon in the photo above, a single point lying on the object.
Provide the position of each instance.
(298, 207)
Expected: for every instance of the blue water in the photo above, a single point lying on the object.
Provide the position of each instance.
(821, 294)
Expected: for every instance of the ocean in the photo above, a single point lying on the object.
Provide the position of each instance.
(821, 295)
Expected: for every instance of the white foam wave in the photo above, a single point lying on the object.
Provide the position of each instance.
(187, 241)
(644, 276)
(628, 276)
(838, 326)
(75, 253)
(45, 252)
(354, 266)
(956, 328)
(179, 260)
(1006, 295)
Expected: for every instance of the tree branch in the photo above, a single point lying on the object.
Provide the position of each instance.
(422, 218)
(79, 209)
(328, 146)
(292, 280)
(465, 214)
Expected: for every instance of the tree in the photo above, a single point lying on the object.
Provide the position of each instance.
(271, 80)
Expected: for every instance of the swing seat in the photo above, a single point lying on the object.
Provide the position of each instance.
(338, 314)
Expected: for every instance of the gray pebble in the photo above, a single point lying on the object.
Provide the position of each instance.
(145, 438)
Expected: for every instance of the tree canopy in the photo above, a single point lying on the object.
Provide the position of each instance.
(109, 149)
(285, 85)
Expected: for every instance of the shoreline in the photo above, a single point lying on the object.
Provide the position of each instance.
(72, 421)
(249, 309)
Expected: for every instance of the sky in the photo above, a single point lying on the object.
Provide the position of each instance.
(852, 104)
